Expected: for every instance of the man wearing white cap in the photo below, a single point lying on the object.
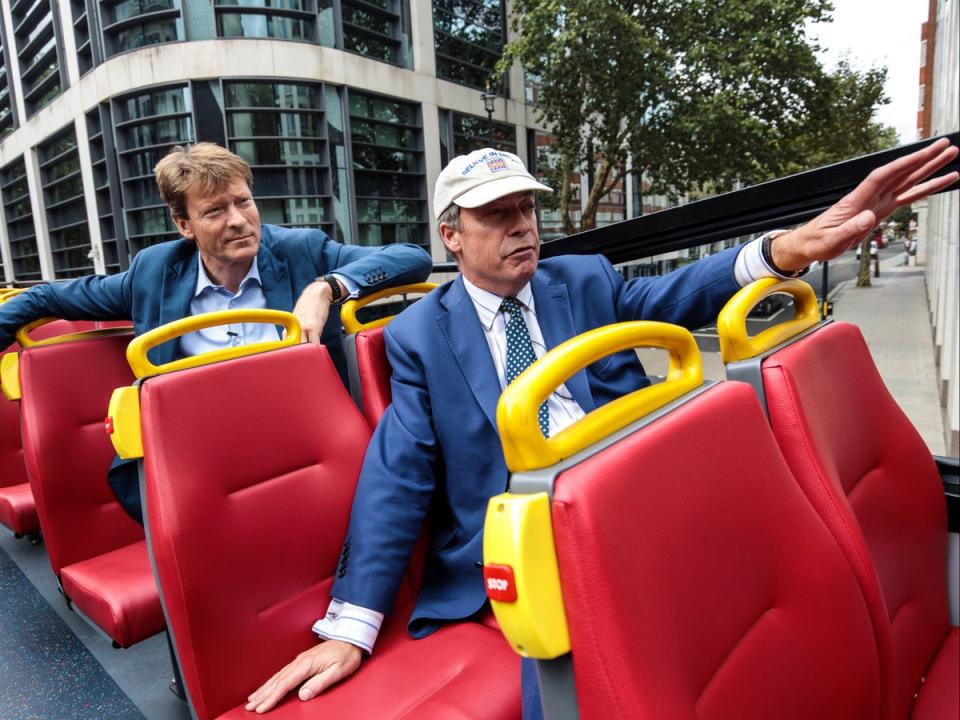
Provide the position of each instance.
(453, 352)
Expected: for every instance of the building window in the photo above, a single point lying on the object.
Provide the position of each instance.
(923, 53)
(35, 27)
(469, 36)
(147, 125)
(461, 134)
(8, 119)
(923, 89)
(387, 147)
(24, 255)
(284, 19)
(279, 129)
(375, 28)
(64, 205)
(132, 24)
(82, 35)
(106, 184)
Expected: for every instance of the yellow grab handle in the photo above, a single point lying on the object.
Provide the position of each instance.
(123, 422)
(139, 346)
(736, 345)
(7, 293)
(348, 313)
(10, 376)
(525, 447)
(23, 333)
(521, 575)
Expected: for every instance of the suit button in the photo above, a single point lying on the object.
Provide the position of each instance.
(478, 565)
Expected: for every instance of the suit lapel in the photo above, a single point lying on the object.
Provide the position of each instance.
(179, 286)
(275, 279)
(463, 332)
(555, 317)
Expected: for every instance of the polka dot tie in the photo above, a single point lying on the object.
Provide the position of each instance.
(520, 353)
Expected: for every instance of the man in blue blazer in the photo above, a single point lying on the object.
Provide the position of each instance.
(437, 450)
(226, 259)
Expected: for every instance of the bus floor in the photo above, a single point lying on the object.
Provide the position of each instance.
(54, 666)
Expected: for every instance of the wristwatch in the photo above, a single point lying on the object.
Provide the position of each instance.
(337, 296)
(767, 253)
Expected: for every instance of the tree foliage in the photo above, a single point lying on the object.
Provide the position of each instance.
(696, 93)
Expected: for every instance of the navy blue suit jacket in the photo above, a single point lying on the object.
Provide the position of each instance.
(162, 280)
(437, 449)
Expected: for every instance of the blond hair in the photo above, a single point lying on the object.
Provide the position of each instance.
(205, 166)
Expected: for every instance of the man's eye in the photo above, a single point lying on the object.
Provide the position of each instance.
(212, 212)
(243, 202)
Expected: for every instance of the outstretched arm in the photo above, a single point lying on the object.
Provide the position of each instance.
(839, 228)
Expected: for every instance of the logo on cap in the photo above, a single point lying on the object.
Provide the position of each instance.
(496, 164)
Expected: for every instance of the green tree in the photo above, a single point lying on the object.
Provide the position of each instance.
(698, 94)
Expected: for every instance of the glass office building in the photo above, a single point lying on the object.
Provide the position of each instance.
(346, 110)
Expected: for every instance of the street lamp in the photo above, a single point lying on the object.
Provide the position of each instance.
(488, 100)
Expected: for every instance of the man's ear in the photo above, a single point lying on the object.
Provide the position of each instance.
(183, 225)
(450, 238)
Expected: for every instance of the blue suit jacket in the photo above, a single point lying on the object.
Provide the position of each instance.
(437, 450)
(162, 279)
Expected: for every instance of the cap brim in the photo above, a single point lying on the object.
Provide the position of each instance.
(497, 188)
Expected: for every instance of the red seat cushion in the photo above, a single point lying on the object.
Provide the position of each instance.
(117, 591)
(462, 671)
(939, 696)
(700, 584)
(18, 511)
(870, 476)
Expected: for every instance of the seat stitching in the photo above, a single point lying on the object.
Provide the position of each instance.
(271, 478)
(731, 651)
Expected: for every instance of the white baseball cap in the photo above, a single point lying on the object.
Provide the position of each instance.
(481, 177)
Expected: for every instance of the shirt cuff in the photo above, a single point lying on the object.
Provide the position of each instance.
(751, 266)
(350, 623)
(353, 290)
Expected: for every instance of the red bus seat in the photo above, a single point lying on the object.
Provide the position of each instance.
(248, 497)
(18, 511)
(868, 472)
(870, 476)
(369, 372)
(696, 580)
(96, 551)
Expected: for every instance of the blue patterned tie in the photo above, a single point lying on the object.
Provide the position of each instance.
(520, 353)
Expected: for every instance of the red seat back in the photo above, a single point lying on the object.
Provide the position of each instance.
(250, 468)
(870, 476)
(699, 583)
(372, 374)
(66, 389)
(12, 471)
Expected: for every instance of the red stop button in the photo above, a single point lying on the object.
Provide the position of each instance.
(500, 583)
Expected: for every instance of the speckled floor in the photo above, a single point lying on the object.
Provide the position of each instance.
(47, 672)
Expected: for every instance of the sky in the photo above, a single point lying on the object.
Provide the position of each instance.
(880, 33)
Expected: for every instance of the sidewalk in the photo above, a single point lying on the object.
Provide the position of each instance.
(894, 319)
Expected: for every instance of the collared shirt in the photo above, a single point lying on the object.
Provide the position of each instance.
(360, 626)
(562, 407)
(210, 297)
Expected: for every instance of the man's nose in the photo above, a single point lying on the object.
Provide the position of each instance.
(519, 223)
(234, 216)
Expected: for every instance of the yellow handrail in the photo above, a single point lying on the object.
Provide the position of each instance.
(23, 333)
(736, 345)
(7, 293)
(139, 346)
(348, 313)
(525, 447)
